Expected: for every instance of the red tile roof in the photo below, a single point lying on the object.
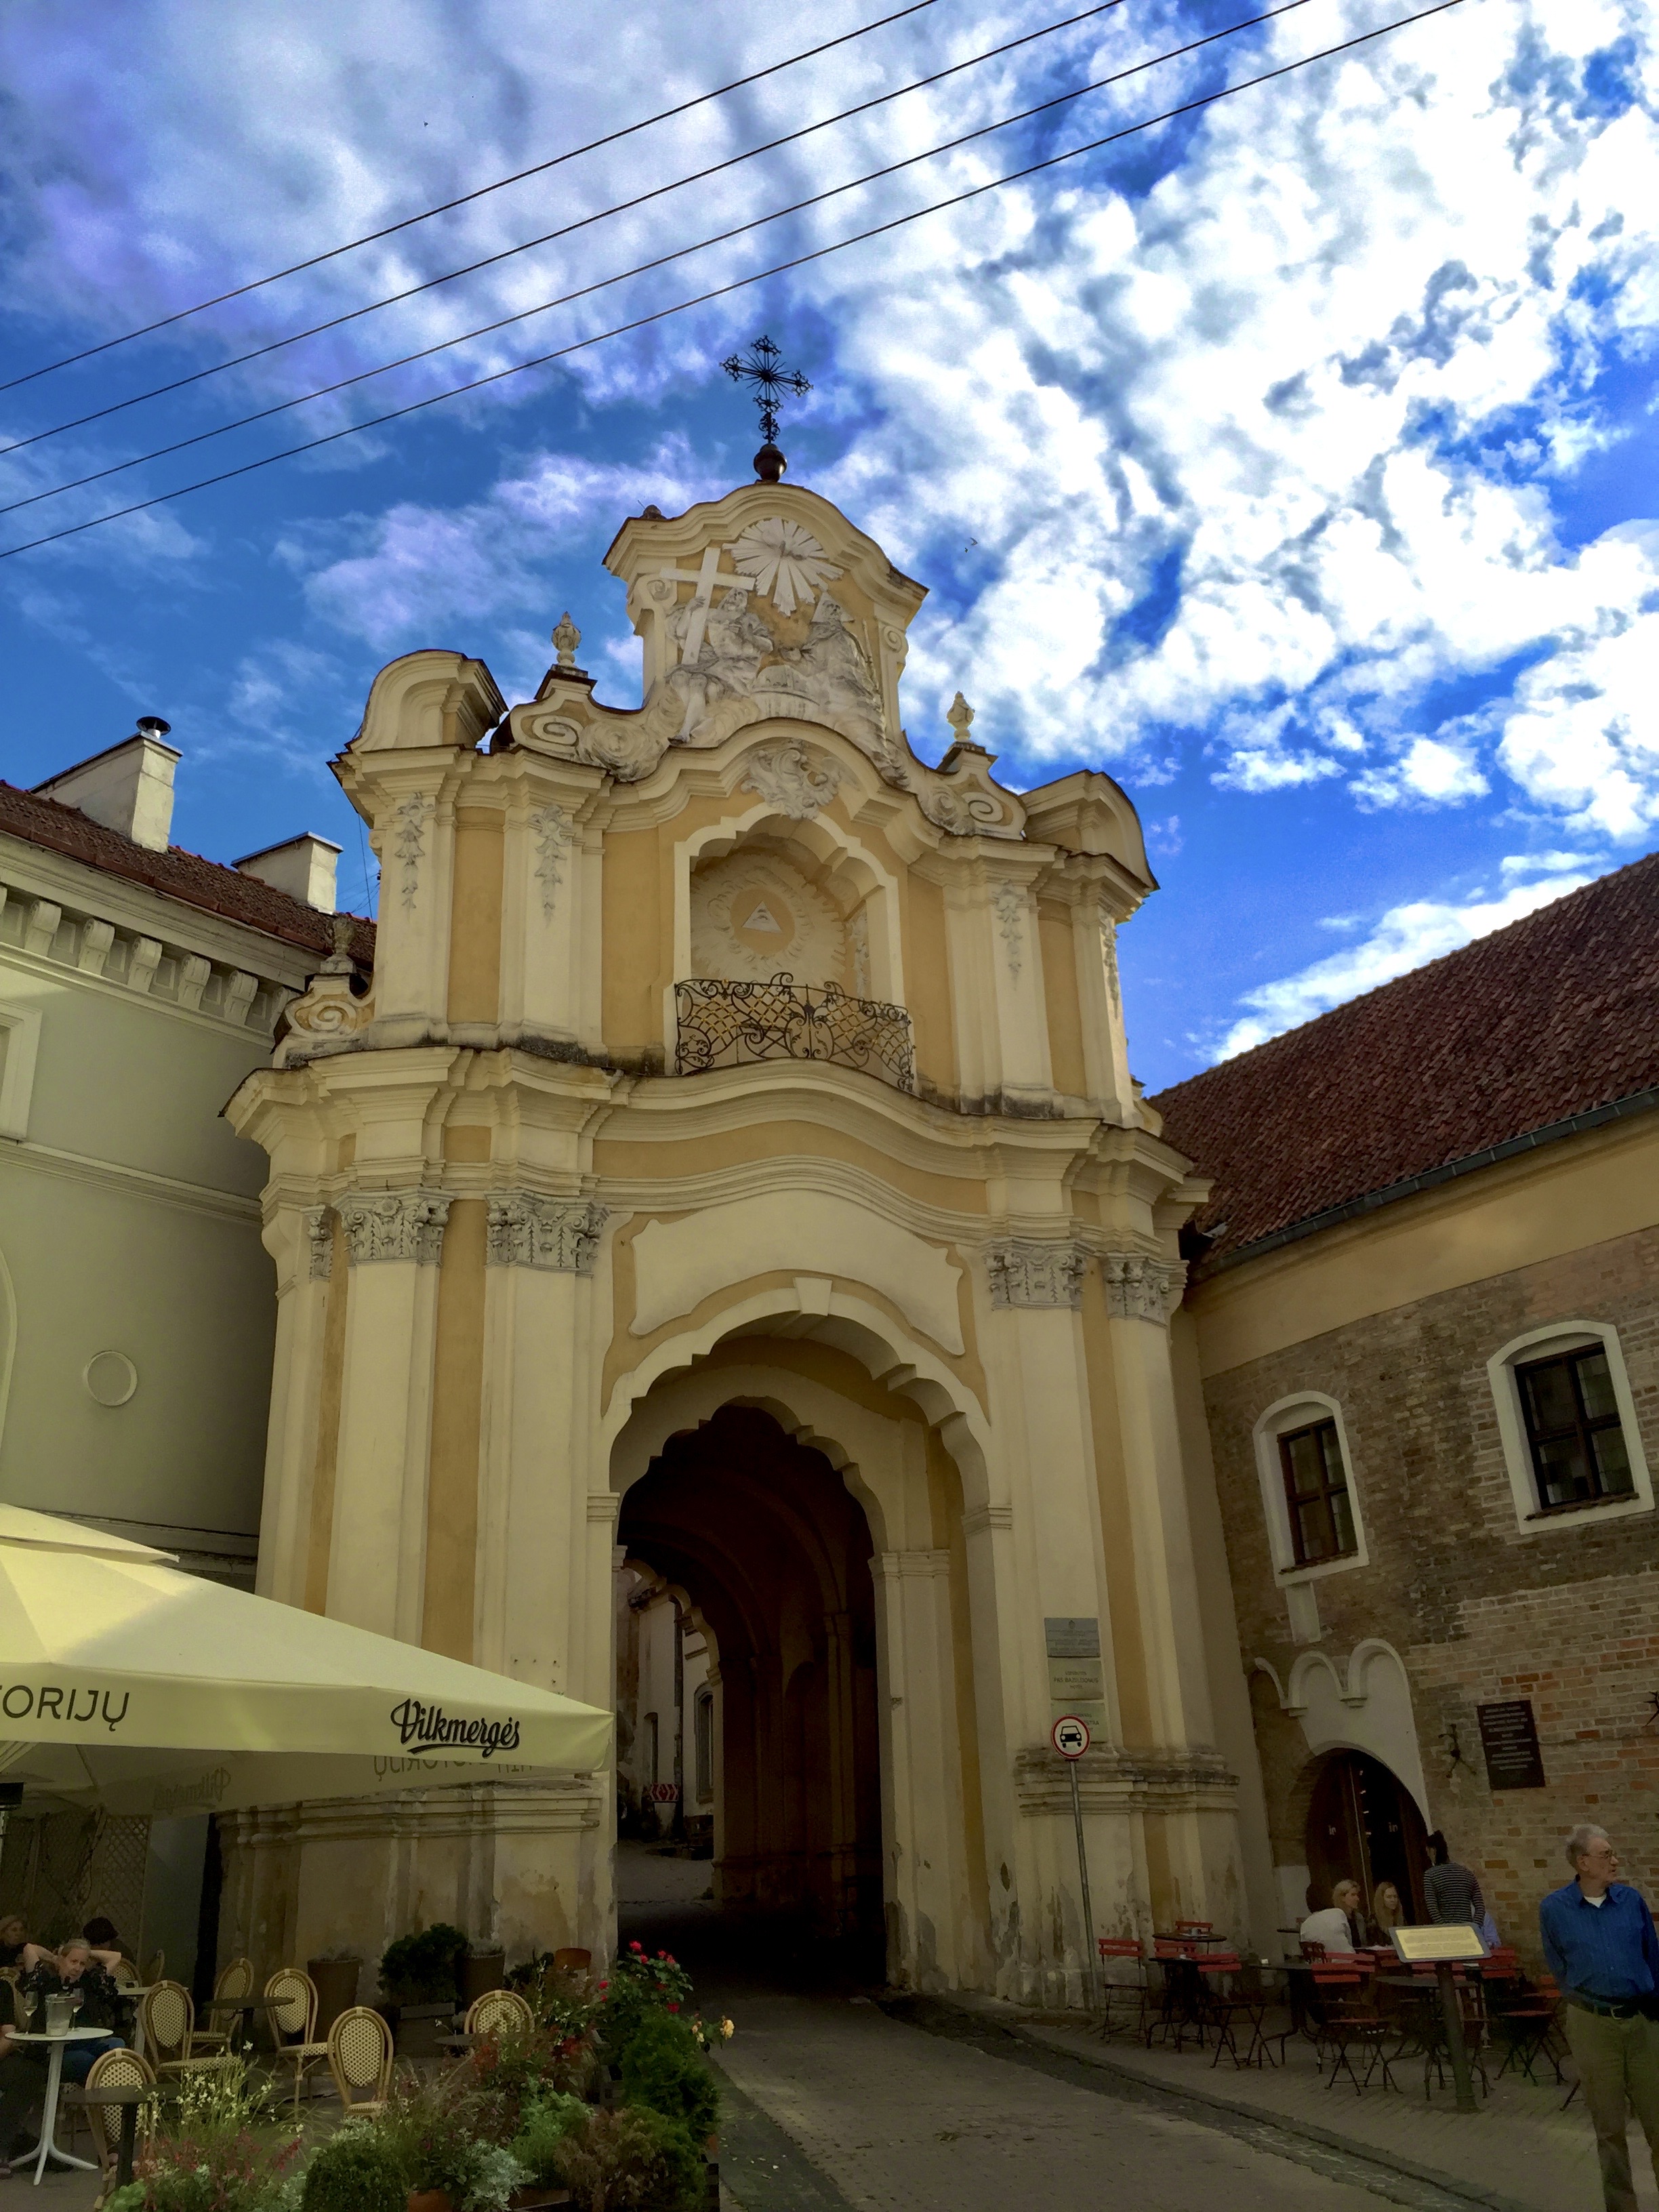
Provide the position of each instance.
(175, 873)
(1547, 1019)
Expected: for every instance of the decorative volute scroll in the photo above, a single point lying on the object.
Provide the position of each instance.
(331, 1016)
(1025, 1272)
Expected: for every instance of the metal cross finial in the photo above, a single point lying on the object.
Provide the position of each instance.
(771, 382)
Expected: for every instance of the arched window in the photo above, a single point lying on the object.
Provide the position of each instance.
(1567, 1424)
(1310, 1499)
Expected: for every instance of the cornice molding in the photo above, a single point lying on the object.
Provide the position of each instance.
(130, 1182)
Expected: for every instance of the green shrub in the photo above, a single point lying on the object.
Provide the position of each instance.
(633, 2158)
(663, 2068)
(422, 1969)
(546, 2122)
(355, 2171)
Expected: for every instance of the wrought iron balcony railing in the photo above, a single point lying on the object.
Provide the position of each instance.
(725, 1025)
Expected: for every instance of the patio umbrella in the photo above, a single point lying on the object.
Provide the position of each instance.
(126, 1683)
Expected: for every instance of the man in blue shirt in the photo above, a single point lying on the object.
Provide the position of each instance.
(1600, 1943)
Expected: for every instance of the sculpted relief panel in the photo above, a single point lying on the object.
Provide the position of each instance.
(754, 915)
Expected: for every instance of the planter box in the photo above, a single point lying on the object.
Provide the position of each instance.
(417, 2026)
(336, 1983)
(481, 1975)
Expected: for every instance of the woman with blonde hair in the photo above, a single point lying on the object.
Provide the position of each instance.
(1388, 1913)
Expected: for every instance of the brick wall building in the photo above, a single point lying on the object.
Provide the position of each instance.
(1435, 1226)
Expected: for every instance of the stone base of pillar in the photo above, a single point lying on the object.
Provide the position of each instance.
(523, 1866)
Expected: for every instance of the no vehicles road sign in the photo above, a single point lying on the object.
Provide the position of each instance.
(1070, 1736)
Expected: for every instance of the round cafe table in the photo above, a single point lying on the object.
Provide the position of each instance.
(47, 2147)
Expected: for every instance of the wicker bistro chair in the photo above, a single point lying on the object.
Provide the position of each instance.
(168, 2021)
(230, 1992)
(114, 2069)
(360, 2059)
(124, 1974)
(498, 2012)
(292, 1997)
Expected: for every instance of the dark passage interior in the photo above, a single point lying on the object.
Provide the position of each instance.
(761, 1535)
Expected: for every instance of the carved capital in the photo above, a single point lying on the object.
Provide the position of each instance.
(1027, 1273)
(1139, 1288)
(319, 1242)
(527, 1230)
(394, 1224)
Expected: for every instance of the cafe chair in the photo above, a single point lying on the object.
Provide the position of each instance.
(157, 1967)
(1350, 2022)
(1126, 1995)
(498, 2012)
(359, 2059)
(124, 1974)
(167, 2021)
(114, 2069)
(292, 1997)
(230, 1992)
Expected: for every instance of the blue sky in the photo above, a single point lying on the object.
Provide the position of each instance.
(1294, 461)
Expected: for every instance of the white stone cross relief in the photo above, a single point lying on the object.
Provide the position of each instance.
(708, 579)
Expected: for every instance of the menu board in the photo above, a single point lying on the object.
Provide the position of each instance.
(1077, 1677)
(1430, 1946)
(1509, 1737)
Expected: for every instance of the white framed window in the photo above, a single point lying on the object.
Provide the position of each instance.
(1309, 1496)
(1567, 1424)
(20, 1039)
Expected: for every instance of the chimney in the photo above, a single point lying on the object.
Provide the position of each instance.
(303, 867)
(129, 788)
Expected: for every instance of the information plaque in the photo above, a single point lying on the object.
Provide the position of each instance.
(1077, 1679)
(1509, 1737)
(1455, 1945)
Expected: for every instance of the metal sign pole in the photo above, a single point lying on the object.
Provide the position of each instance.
(1451, 2016)
(1088, 1910)
(1070, 1737)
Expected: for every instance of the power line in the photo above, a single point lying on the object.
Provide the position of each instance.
(739, 283)
(549, 237)
(640, 268)
(446, 207)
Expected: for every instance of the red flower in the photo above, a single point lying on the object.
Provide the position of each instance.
(636, 1947)
(673, 2008)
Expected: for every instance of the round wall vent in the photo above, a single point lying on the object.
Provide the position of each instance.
(110, 1377)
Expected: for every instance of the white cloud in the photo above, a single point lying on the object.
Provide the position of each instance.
(1265, 453)
(1406, 937)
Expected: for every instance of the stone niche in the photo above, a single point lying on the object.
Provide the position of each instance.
(769, 910)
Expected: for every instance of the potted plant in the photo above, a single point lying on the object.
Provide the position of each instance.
(418, 1980)
(482, 1969)
(335, 1973)
(631, 2159)
(438, 2133)
(546, 2124)
(357, 2170)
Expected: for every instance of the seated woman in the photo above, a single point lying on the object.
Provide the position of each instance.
(101, 2002)
(16, 1948)
(1337, 1927)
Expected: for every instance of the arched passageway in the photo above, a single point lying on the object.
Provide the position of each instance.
(760, 1535)
(1363, 1822)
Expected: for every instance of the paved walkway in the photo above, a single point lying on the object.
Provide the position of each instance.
(1520, 2148)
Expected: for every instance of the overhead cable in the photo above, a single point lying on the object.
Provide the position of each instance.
(738, 283)
(549, 237)
(482, 192)
(643, 268)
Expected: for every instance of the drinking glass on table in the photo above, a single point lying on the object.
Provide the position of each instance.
(77, 1997)
(26, 2002)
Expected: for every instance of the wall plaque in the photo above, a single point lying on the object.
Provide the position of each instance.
(1077, 1679)
(1509, 1737)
